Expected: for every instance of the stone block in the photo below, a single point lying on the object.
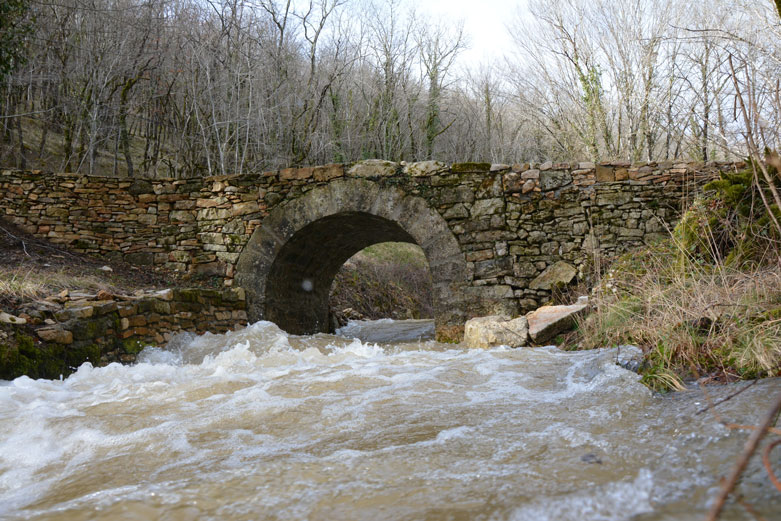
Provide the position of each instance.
(521, 167)
(75, 312)
(228, 257)
(180, 256)
(212, 238)
(559, 273)
(244, 208)
(462, 168)
(457, 211)
(485, 207)
(480, 255)
(492, 268)
(373, 168)
(605, 174)
(212, 214)
(457, 194)
(206, 203)
(553, 179)
(512, 182)
(137, 321)
(425, 168)
(616, 198)
(57, 212)
(183, 216)
(147, 219)
(140, 258)
(88, 329)
(328, 172)
(184, 204)
(496, 330)
(56, 335)
(292, 174)
(140, 186)
(548, 321)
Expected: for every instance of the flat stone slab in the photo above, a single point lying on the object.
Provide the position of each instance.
(496, 330)
(558, 273)
(548, 321)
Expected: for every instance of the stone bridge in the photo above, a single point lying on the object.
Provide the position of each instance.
(488, 231)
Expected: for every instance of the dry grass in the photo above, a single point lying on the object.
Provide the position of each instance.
(26, 283)
(692, 319)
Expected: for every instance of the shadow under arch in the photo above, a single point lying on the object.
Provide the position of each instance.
(290, 261)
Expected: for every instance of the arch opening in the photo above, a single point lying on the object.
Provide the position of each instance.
(288, 264)
(299, 281)
(385, 280)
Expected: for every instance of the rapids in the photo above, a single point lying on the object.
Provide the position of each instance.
(258, 424)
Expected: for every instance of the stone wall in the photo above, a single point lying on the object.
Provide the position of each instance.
(52, 337)
(511, 222)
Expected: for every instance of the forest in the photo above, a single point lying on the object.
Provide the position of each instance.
(179, 88)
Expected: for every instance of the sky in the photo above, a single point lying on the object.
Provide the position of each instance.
(485, 23)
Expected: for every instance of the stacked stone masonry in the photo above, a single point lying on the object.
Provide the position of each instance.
(66, 330)
(510, 221)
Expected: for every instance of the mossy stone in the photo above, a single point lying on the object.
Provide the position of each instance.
(187, 295)
(75, 356)
(470, 167)
(23, 357)
(132, 346)
(89, 329)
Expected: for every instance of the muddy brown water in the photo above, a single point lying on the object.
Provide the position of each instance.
(257, 424)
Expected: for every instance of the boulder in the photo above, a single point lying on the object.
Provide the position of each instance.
(548, 321)
(560, 273)
(496, 330)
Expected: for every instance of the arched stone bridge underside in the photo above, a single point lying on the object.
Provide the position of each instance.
(290, 262)
(489, 232)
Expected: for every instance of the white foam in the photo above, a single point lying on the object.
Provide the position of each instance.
(613, 502)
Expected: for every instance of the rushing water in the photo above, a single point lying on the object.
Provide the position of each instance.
(257, 424)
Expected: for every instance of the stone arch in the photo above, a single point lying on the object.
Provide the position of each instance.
(290, 261)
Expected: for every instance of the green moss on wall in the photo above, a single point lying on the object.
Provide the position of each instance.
(22, 356)
(458, 168)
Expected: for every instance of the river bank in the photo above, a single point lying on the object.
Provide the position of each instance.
(60, 309)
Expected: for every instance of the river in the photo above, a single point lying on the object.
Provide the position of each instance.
(257, 424)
